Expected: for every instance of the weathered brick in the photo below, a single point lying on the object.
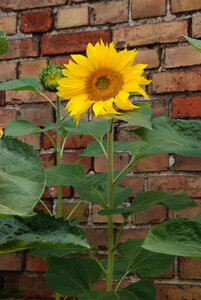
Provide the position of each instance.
(72, 158)
(8, 71)
(153, 163)
(196, 26)
(184, 163)
(110, 12)
(178, 6)
(178, 81)
(181, 56)
(11, 261)
(31, 67)
(60, 60)
(188, 213)
(21, 48)
(32, 139)
(134, 233)
(40, 21)
(177, 292)
(189, 268)
(51, 192)
(81, 212)
(159, 107)
(176, 184)
(96, 237)
(25, 4)
(36, 264)
(186, 107)
(149, 57)
(7, 115)
(2, 98)
(103, 219)
(136, 183)
(37, 115)
(19, 97)
(8, 24)
(120, 161)
(148, 8)
(154, 215)
(47, 159)
(72, 17)
(145, 34)
(71, 42)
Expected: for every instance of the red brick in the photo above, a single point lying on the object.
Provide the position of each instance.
(11, 261)
(188, 213)
(178, 6)
(81, 213)
(180, 56)
(187, 107)
(7, 115)
(73, 158)
(159, 107)
(40, 21)
(104, 219)
(21, 48)
(20, 97)
(71, 42)
(120, 161)
(189, 268)
(51, 192)
(8, 24)
(178, 81)
(37, 115)
(31, 67)
(96, 237)
(47, 159)
(32, 139)
(148, 8)
(8, 71)
(36, 264)
(154, 215)
(153, 163)
(176, 184)
(25, 4)
(110, 12)
(60, 60)
(178, 292)
(196, 26)
(145, 34)
(149, 57)
(185, 163)
(72, 17)
(134, 233)
(136, 183)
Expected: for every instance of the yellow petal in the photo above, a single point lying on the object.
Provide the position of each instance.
(122, 101)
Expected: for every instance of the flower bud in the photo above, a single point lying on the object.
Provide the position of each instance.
(49, 76)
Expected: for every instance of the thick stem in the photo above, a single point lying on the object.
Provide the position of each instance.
(110, 266)
(58, 158)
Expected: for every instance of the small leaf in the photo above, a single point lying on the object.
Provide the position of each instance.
(22, 179)
(175, 237)
(194, 42)
(38, 231)
(72, 276)
(4, 47)
(28, 84)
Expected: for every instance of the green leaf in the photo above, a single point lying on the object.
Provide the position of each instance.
(62, 175)
(28, 84)
(10, 292)
(94, 149)
(22, 179)
(4, 47)
(145, 263)
(72, 276)
(180, 237)
(141, 290)
(194, 42)
(145, 200)
(57, 252)
(198, 218)
(21, 127)
(138, 117)
(40, 230)
(171, 136)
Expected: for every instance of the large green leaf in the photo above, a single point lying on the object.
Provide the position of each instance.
(194, 42)
(143, 262)
(40, 230)
(28, 83)
(57, 252)
(72, 276)
(172, 136)
(4, 47)
(22, 179)
(180, 237)
(138, 117)
(145, 200)
(141, 290)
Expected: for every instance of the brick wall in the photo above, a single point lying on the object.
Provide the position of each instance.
(53, 29)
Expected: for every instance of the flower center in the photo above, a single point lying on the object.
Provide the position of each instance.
(104, 84)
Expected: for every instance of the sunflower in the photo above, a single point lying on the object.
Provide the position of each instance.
(102, 80)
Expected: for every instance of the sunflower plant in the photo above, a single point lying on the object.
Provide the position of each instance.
(102, 83)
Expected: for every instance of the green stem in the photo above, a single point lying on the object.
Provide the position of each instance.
(51, 140)
(102, 147)
(98, 262)
(110, 266)
(57, 296)
(124, 169)
(48, 99)
(58, 158)
(119, 234)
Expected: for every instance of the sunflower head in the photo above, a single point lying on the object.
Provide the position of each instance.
(49, 77)
(102, 80)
